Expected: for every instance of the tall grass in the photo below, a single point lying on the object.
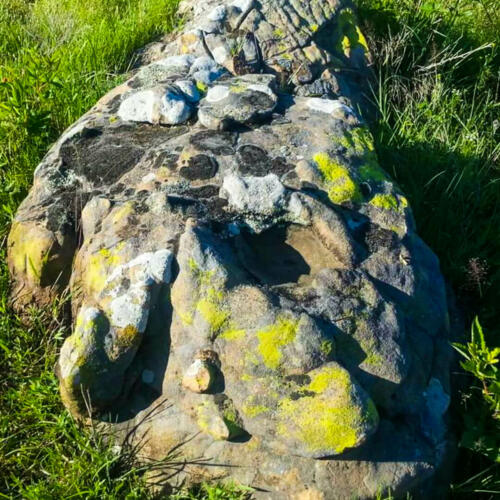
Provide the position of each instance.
(57, 57)
(438, 135)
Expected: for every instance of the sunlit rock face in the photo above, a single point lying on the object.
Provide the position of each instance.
(245, 279)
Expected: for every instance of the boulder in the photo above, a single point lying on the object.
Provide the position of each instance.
(246, 281)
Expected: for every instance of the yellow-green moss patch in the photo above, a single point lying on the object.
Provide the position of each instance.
(251, 409)
(98, 267)
(349, 35)
(212, 313)
(232, 333)
(202, 87)
(330, 420)
(128, 336)
(30, 250)
(326, 347)
(385, 201)
(273, 338)
(341, 185)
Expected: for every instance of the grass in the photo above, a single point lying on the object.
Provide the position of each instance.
(437, 134)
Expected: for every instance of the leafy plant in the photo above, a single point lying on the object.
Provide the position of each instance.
(482, 362)
(481, 417)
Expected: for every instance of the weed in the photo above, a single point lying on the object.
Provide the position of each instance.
(482, 362)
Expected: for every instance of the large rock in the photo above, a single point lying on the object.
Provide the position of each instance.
(245, 279)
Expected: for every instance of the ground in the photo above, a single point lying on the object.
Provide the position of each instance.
(437, 133)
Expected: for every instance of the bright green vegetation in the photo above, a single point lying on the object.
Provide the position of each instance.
(438, 136)
(326, 422)
(341, 186)
(273, 338)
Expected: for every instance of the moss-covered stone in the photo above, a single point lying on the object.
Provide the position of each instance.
(273, 338)
(332, 415)
(348, 34)
(342, 187)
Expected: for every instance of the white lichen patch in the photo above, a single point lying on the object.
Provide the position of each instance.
(145, 269)
(328, 106)
(156, 106)
(218, 14)
(183, 62)
(217, 93)
(139, 107)
(243, 5)
(127, 292)
(221, 54)
(189, 89)
(257, 195)
(131, 309)
(262, 88)
(151, 177)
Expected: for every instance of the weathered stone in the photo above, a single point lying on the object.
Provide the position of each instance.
(241, 100)
(199, 376)
(245, 278)
(167, 106)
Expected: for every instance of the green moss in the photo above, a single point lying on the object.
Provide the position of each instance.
(202, 87)
(213, 312)
(371, 170)
(373, 359)
(385, 202)
(362, 140)
(326, 376)
(279, 33)
(342, 186)
(232, 421)
(251, 409)
(186, 317)
(238, 89)
(322, 422)
(367, 343)
(204, 277)
(232, 333)
(358, 140)
(273, 338)
(326, 347)
(349, 35)
(30, 250)
(128, 336)
(211, 302)
(98, 267)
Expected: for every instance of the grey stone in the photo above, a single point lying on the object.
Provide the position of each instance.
(245, 279)
(157, 105)
(238, 100)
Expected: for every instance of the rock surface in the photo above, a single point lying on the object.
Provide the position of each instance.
(245, 278)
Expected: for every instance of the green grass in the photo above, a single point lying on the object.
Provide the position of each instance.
(57, 57)
(438, 135)
(437, 63)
